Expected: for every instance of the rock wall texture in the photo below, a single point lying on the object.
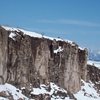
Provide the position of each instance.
(26, 59)
(3, 55)
(93, 74)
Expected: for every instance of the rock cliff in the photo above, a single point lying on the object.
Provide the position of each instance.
(26, 59)
(93, 75)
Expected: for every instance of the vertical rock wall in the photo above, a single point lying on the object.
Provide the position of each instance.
(93, 75)
(32, 60)
(3, 55)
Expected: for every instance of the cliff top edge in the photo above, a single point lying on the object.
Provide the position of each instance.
(36, 34)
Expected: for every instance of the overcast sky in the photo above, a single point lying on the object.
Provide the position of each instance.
(76, 20)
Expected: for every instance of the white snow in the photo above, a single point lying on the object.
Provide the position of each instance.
(95, 63)
(87, 92)
(81, 48)
(38, 91)
(2, 98)
(32, 34)
(54, 88)
(43, 90)
(60, 49)
(8, 88)
(13, 90)
(12, 35)
(35, 34)
(10, 28)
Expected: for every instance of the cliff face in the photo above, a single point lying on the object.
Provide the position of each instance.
(3, 55)
(93, 74)
(25, 59)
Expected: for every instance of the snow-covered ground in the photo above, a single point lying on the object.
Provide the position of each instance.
(87, 92)
(17, 94)
(54, 89)
(8, 89)
(95, 63)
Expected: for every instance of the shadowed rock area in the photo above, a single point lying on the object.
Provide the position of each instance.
(94, 76)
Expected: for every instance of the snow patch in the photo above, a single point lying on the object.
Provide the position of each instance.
(60, 49)
(10, 28)
(87, 92)
(16, 93)
(53, 89)
(94, 63)
(12, 35)
(2, 98)
(43, 90)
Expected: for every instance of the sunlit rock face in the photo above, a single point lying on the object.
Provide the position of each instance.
(3, 55)
(25, 59)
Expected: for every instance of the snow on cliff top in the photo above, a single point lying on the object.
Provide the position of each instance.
(32, 34)
(35, 34)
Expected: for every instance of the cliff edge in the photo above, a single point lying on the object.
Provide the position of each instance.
(31, 58)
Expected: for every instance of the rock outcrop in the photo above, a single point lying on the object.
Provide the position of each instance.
(33, 60)
(93, 75)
